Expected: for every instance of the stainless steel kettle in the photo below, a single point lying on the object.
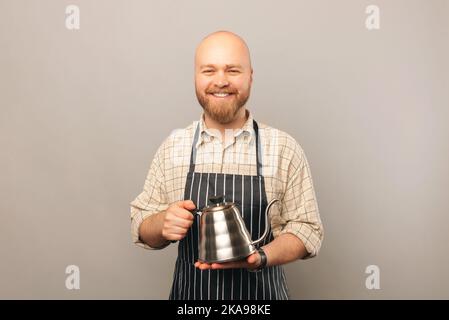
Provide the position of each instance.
(223, 234)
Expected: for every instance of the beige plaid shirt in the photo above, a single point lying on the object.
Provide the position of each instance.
(284, 167)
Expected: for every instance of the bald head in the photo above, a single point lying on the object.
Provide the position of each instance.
(222, 47)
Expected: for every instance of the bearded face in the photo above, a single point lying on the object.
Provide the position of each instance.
(223, 76)
(222, 102)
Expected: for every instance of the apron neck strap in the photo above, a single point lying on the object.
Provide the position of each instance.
(258, 149)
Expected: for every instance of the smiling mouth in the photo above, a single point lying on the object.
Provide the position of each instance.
(221, 94)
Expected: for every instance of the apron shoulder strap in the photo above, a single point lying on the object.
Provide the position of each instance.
(258, 148)
(193, 152)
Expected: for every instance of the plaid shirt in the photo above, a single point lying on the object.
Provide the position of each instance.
(284, 167)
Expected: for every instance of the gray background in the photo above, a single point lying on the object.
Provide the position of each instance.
(83, 112)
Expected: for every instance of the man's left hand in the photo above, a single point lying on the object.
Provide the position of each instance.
(251, 262)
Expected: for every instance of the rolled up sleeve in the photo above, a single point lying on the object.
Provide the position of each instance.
(151, 200)
(299, 206)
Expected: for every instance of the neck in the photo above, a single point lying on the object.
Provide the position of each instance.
(237, 123)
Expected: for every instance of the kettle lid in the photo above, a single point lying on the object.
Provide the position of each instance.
(218, 203)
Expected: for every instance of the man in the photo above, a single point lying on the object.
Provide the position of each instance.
(228, 153)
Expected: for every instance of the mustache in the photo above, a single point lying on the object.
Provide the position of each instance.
(221, 91)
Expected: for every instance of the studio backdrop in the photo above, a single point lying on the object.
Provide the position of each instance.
(90, 89)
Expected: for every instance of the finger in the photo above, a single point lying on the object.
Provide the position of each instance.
(174, 233)
(201, 265)
(187, 204)
(177, 230)
(174, 237)
(229, 265)
(182, 223)
(205, 266)
(184, 214)
(175, 213)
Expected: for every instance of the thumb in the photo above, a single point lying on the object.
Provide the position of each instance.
(252, 258)
(188, 204)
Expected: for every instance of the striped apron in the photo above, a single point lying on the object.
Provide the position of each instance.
(248, 193)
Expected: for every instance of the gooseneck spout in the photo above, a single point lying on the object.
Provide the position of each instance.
(267, 223)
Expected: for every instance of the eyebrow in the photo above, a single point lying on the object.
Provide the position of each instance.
(228, 66)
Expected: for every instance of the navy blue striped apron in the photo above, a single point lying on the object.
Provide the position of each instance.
(248, 192)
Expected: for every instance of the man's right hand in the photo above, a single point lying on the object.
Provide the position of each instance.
(178, 220)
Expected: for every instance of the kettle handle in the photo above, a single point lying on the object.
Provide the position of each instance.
(194, 212)
(267, 223)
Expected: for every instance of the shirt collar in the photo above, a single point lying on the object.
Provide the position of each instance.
(206, 134)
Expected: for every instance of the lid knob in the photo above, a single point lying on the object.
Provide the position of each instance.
(217, 199)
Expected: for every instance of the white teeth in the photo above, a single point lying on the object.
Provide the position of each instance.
(221, 95)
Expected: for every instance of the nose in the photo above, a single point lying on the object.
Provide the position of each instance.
(221, 80)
